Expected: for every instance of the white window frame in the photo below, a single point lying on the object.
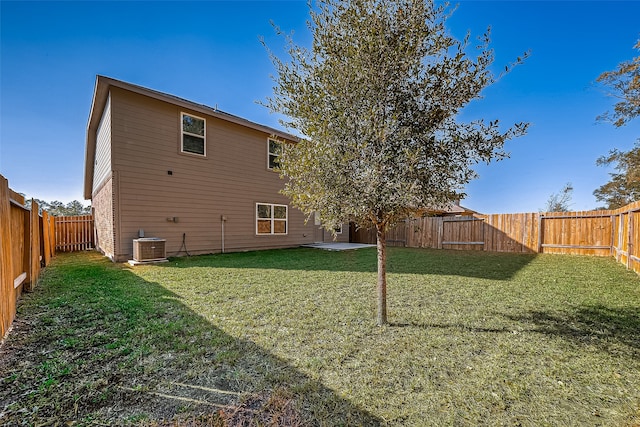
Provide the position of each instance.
(269, 153)
(338, 229)
(183, 133)
(273, 219)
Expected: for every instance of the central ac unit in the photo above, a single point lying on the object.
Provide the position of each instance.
(149, 249)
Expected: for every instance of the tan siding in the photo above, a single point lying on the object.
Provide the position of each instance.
(229, 181)
(102, 161)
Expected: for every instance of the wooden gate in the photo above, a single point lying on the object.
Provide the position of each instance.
(74, 233)
(463, 233)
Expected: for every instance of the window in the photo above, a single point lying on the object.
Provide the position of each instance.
(193, 134)
(271, 219)
(274, 149)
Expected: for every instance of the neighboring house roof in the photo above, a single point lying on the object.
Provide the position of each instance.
(101, 93)
(453, 208)
(457, 209)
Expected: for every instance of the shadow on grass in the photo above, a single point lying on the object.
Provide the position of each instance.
(97, 344)
(458, 327)
(609, 329)
(478, 264)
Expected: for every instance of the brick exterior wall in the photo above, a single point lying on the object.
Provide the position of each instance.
(103, 213)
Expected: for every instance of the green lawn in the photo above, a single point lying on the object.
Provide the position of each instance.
(288, 337)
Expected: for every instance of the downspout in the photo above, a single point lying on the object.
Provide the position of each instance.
(223, 219)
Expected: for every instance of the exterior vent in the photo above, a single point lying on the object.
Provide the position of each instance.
(149, 249)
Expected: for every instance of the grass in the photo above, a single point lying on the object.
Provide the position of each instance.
(288, 337)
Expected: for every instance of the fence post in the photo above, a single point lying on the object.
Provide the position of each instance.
(52, 236)
(26, 247)
(630, 245)
(620, 236)
(613, 236)
(7, 291)
(46, 237)
(484, 238)
(34, 246)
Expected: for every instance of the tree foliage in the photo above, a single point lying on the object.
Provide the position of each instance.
(624, 84)
(561, 201)
(624, 186)
(376, 100)
(57, 208)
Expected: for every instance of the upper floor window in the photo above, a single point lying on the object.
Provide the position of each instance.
(193, 134)
(275, 149)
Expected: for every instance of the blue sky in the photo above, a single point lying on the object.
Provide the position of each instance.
(209, 52)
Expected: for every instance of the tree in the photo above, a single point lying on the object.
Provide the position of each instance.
(624, 84)
(560, 202)
(375, 99)
(57, 208)
(76, 208)
(624, 186)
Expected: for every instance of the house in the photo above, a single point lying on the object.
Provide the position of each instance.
(161, 166)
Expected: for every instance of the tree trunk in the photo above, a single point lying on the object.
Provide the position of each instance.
(382, 275)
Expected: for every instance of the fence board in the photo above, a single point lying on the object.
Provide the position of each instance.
(46, 237)
(7, 290)
(34, 245)
(634, 255)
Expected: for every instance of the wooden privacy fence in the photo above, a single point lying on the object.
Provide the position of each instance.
(27, 244)
(597, 233)
(74, 233)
